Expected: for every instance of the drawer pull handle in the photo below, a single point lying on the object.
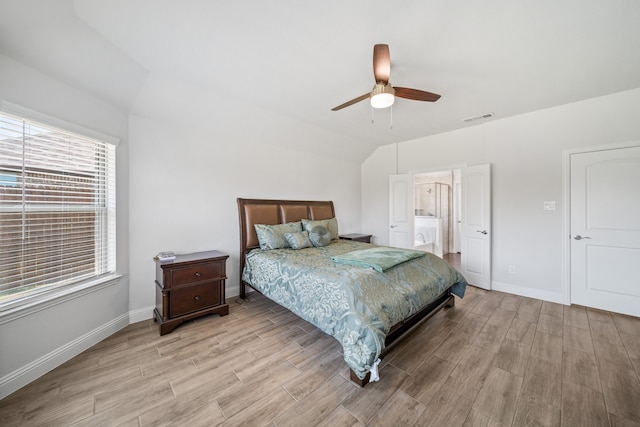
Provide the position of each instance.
(197, 298)
(198, 274)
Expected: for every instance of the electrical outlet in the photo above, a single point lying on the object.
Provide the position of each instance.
(549, 206)
(512, 269)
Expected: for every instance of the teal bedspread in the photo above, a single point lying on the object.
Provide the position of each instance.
(379, 258)
(357, 306)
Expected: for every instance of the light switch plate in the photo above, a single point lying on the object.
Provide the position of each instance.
(549, 206)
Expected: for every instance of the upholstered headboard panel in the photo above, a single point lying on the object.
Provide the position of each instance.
(261, 211)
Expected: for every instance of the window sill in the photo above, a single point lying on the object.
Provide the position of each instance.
(14, 310)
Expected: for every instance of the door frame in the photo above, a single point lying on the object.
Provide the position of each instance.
(566, 208)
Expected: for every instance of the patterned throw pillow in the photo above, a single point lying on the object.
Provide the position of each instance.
(298, 240)
(330, 224)
(320, 236)
(272, 236)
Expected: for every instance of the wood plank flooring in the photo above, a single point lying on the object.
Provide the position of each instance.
(493, 360)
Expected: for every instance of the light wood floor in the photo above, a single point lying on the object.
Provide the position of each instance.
(493, 360)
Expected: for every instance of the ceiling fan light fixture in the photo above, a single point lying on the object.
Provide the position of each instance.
(382, 96)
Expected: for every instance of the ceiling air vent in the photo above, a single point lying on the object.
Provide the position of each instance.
(480, 117)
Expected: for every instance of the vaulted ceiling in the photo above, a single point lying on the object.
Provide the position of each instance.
(299, 59)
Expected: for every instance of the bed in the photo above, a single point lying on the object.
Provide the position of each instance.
(367, 308)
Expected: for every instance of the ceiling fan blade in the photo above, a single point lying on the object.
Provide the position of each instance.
(415, 94)
(381, 63)
(353, 101)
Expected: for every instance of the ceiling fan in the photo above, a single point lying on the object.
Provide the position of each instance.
(383, 94)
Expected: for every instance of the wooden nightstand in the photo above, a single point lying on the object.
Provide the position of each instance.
(366, 238)
(192, 285)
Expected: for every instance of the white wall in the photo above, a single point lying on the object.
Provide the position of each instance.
(197, 153)
(526, 154)
(34, 341)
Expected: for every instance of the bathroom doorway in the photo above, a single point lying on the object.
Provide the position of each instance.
(437, 212)
(469, 219)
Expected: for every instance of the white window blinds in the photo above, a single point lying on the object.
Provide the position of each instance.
(57, 208)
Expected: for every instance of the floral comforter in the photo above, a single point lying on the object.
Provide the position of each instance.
(356, 305)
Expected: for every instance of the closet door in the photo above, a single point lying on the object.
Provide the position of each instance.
(605, 230)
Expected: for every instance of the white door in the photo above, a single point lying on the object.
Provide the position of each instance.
(605, 229)
(475, 239)
(401, 211)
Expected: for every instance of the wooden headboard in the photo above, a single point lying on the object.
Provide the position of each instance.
(261, 211)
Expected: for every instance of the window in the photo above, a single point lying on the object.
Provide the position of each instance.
(57, 208)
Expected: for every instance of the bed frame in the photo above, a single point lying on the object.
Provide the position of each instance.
(264, 211)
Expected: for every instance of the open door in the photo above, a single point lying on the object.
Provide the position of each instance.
(401, 211)
(475, 260)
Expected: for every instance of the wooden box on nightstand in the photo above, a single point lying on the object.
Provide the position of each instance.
(192, 285)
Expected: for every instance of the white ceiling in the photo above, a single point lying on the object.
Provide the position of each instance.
(300, 59)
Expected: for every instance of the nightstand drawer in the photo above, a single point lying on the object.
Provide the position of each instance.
(195, 273)
(194, 298)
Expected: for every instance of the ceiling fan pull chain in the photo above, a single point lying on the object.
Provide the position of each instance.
(372, 115)
(391, 119)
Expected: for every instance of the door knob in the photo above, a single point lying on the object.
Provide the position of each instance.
(579, 237)
(482, 231)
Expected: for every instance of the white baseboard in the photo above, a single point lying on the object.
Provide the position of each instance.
(33, 370)
(528, 292)
(141, 314)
